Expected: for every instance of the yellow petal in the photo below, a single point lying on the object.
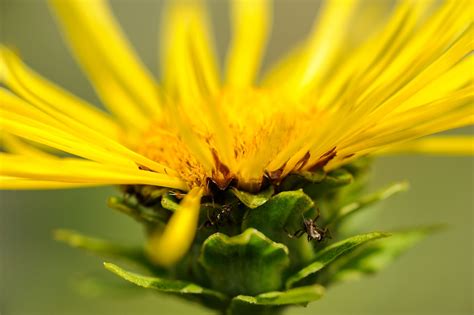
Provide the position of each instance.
(49, 97)
(65, 133)
(323, 44)
(55, 138)
(102, 49)
(16, 183)
(71, 170)
(359, 66)
(439, 145)
(285, 67)
(167, 247)
(187, 52)
(14, 145)
(251, 22)
(191, 75)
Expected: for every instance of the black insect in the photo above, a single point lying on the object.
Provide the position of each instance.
(219, 217)
(312, 230)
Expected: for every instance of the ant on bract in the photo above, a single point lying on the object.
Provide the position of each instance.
(220, 216)
(313, 231)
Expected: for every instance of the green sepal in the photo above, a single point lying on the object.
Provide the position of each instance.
(248, 263)
(271, 302)
(369, 200)
(209, 297)
(253, 200)
(146, 193)
(169, 202)
(377, 255)
(314, 176)
(330, 253)
(137, 211)
(101, 247)
(333, 180)
(297, 180)
(283, 214)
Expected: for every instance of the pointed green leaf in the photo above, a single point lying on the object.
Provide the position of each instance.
(263, 303)
(98, 285)
(369, 200)
(375, 256)
(253, 200)
(99, 247)
(300, 295)
(248, 263)
(137, 211)
(331, 252)
(170, 286)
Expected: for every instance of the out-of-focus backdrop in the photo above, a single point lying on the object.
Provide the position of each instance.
(40, 276)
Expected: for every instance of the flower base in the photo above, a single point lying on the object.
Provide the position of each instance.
(260, 253)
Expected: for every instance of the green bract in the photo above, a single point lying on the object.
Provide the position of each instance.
(247, 260)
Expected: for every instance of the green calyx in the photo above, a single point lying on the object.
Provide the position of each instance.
(260, 253)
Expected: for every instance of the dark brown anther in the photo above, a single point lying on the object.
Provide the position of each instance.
(144, 168)
(324, 159)
(275, 176)
(304, 160)
(222, 177)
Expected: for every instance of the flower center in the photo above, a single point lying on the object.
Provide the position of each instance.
(256, 125)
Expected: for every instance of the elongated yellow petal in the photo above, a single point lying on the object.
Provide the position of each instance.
(167, 247)
(14, 145)
(457, 119)
(359, 68)
(190, 71)
(439, 145)
(55, 138)
(457, 77)
(443, 64)
(323, 44)
(81, 171)
(386, 96)
(24, 120)
(285, 67)
(187, 52)
(51, 98)
(14, 104)
(461, 100)
(107, 57)
(16, 183)
(380, 53)
(251, 22)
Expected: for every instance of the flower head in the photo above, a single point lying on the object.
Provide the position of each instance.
(329, 102)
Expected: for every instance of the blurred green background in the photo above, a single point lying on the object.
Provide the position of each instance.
(40, 276)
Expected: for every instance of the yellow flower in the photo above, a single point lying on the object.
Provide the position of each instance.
(331, 100)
